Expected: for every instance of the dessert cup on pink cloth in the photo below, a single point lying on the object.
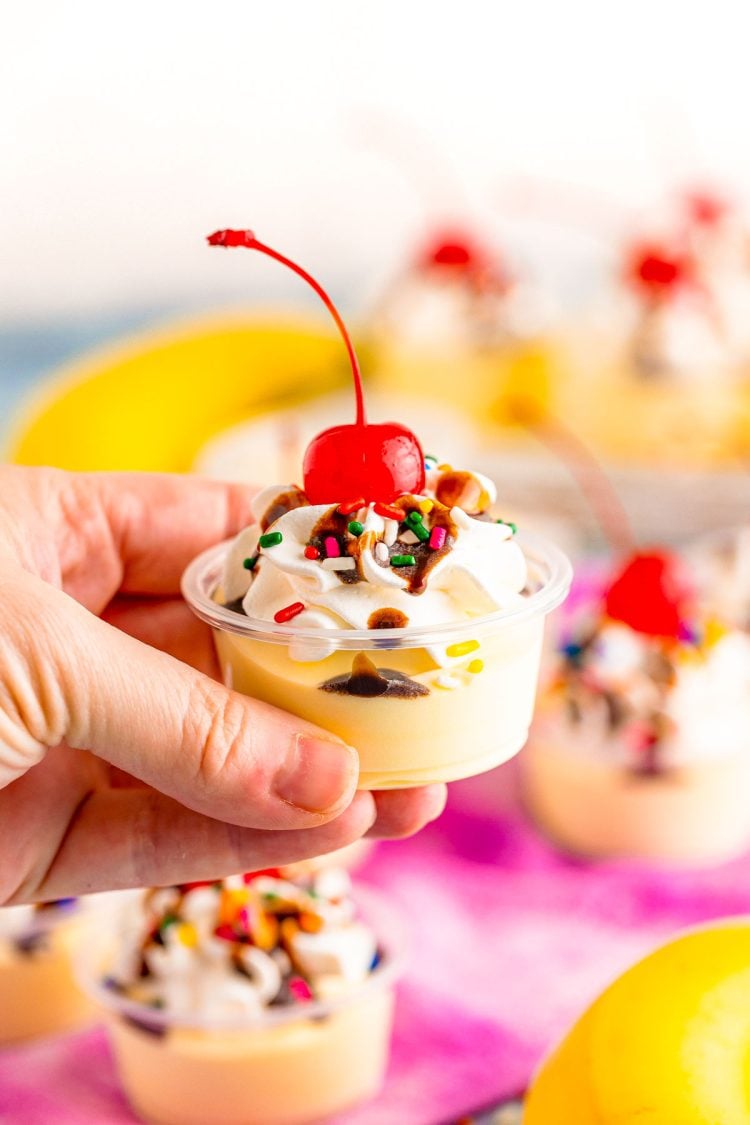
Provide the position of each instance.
(401, 696)
(38, 992)
(641, 744)
(280, 1014)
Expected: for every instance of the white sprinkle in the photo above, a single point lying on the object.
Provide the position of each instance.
(382, 554)
(343, 563)
(445, 680)
(409, 537)
(390, 532)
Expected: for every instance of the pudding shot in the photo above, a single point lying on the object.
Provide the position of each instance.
(641, 746)
(256, 1000)
(385, 602)
(38, 992)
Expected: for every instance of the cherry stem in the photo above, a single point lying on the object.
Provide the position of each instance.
(247, 239)
(593, 482)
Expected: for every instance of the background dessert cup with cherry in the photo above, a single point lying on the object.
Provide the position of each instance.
(257, 1000)
(38, 992)
(458, 318)
(670, 345)
(383, 601)
(641, 746)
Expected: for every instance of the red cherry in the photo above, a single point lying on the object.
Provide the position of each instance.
(451, 248)
(650, 594)
(704, 208)
(378, 462)
(657, 271)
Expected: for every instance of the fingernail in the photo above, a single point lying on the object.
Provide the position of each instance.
(318, 774)
(440, 803)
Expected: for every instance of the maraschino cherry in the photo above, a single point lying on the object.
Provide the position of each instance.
(657, 271)
(377, 463)
(650, 594)
(452, 249)
(705, 208)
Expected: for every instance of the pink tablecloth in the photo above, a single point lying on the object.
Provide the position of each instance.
(510, 942)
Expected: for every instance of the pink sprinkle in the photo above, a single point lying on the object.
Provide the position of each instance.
(333, 551)
(225, 932)
(437, 538)
(300, 989)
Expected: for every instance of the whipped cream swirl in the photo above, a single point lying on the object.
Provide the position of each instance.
(238, 946)
(425, 560)
(652, 704)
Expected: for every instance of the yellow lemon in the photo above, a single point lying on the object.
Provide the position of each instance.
(667, 1044)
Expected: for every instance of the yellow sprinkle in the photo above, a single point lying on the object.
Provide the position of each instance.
(463, 648)
(476, 666)
(713, 633)
(445, 468)
(425, 506)
(187, 934)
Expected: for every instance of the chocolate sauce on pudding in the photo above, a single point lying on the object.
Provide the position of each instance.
(283, 503)
(235, 605)
(332, 524)
(367, 681)
(387, 619)
(425, 558)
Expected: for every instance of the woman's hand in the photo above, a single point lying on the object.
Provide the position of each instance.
(123, 762)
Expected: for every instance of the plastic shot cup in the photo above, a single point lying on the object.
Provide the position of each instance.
(421, 704)
(286, 1065)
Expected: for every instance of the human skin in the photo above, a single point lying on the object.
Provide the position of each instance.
(123, 761)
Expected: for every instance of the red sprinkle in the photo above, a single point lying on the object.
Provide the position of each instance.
(273, 872)
(350, 506)
(288, 612)
(333, 551)
(300, 989)
(225, 932)
(437, 538)
(312, 552)
(388, 512)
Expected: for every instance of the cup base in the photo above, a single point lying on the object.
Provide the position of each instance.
(454, 771)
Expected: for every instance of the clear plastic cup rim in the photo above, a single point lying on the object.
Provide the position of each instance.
(91, 970)
(549, 570)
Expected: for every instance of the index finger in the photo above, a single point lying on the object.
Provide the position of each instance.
(155, 523)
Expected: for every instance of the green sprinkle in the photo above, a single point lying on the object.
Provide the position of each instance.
(249, 564)
(270, 539)
(403, 560)
(168, 920)
(508, 523)
(414, 517)
(421, 532)
(355, 527)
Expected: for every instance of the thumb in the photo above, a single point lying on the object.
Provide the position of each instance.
(69, 677)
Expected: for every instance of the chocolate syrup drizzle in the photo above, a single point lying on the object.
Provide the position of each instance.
(367, 681)
(281, 504)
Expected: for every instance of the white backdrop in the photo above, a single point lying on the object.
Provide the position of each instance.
(336, 128)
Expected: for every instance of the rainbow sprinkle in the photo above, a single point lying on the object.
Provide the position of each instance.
(355, 527)
(249, 564)
(350, 506)
(463, 648)
(438, 535)
(288, 612)
(271, 539)
(331, 544)
(403, 560)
